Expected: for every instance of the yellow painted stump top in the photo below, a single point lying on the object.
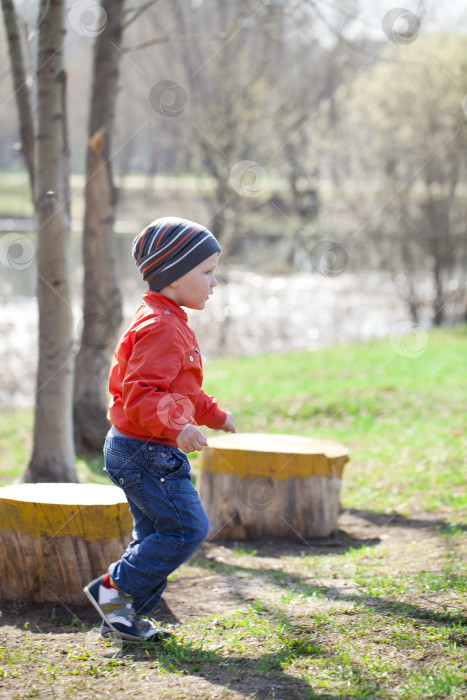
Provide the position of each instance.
(274, 455)
(91, 511)
(69, 494)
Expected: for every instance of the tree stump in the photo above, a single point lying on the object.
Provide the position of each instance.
(260, 485)
(55, 538)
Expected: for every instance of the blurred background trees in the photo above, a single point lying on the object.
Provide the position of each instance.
(404, 131)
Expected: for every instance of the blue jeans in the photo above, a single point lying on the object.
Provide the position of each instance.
(169, 521)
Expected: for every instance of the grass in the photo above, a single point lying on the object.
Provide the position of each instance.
(382, 616)
(15, 201)
(313, 640)
(403, 418)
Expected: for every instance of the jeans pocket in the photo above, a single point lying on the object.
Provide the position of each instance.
(122, 476)
(126, 476)
(168, 462)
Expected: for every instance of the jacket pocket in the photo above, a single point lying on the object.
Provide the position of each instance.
(192, 359)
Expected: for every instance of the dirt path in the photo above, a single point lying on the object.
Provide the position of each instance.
(52, 651)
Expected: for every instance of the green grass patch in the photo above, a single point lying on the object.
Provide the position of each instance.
(403, 418)
(15, 200)
(15, 444)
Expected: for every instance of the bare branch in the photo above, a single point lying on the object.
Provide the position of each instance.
(353, 44)
(137, 12)
(171, 38)
(21, 89)
(337, 33)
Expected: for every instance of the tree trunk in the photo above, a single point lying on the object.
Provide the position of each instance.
(22, 96)
(53, 456)
(102, 312)
(439, 303)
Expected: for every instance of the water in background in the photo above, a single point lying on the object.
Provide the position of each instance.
(248, 313)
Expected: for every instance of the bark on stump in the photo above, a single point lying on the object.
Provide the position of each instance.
(55, 538)
(260, 485)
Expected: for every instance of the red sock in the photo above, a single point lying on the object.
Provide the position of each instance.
(108, 583)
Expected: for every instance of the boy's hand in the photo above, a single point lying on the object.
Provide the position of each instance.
(190, 439)
(228, 425)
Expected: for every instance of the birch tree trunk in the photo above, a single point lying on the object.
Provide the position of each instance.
(22, 96)
(102, 312)
(53, 456)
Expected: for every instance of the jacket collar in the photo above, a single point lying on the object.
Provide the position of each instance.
(160, 301)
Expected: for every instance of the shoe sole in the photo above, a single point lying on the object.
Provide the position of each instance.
(122, 635)
(109, 636)
(156, 637)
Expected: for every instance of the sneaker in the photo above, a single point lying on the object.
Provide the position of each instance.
(116, 609)
(147, 630)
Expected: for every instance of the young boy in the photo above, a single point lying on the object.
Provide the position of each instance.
(156, 406)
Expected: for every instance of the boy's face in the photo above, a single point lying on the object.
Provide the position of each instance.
(193, 289)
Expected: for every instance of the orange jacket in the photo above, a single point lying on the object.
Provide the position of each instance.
(156, 376)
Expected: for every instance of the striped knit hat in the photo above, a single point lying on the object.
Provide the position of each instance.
(169, 248)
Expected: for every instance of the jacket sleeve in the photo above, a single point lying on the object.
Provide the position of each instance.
(207, 412)
(154, 362)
